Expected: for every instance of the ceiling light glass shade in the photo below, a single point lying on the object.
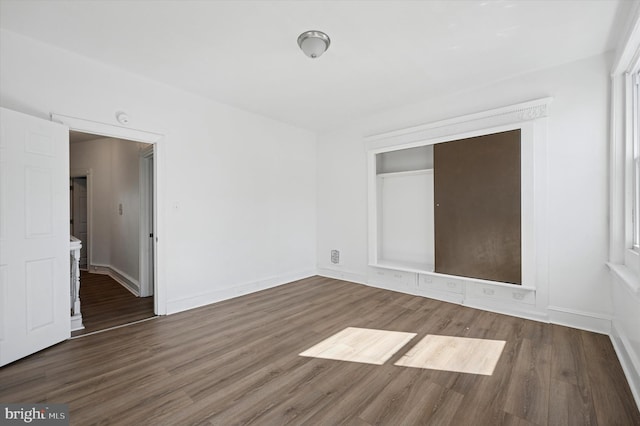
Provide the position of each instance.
(313, 43)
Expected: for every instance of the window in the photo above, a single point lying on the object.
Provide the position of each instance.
(624, 213)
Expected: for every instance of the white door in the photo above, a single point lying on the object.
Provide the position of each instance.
(34, 235)
(79, 216)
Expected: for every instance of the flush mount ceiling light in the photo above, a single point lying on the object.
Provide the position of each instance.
(313, 43)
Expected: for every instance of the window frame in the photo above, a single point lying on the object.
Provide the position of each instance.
(624, 248)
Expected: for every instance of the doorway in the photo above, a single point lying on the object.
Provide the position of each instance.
(113, 187)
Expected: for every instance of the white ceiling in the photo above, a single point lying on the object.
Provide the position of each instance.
(383, 53)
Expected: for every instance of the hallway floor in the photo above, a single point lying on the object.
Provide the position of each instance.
(106, 304)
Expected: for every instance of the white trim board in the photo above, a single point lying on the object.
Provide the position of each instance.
(104, 129)
(624, 328)
(343, 275)
(626, 361)
(589, 321)
(146, 220)
(76, 323)
(627, 277)
(203, 299)
(120, 277)
(462, 126)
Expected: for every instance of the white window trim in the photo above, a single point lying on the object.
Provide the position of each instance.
(631, 254)
(624, 258)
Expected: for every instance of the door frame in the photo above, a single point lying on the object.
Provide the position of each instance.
(157, 139)
(78, 173)
(147, 218)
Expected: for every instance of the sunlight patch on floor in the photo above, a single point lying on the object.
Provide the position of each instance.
(459, 354)
(360, 345)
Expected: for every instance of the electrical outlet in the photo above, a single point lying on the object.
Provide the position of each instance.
(335, 257)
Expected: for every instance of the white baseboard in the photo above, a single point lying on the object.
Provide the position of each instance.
(627, 356)
(342, 275)
(179, 305)
(120, 277)
(76, 322)
(443, 296)
(589, 321)
(382, 285)
(524, 311)
(521, 311)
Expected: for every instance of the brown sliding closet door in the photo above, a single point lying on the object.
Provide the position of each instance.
(477, 207)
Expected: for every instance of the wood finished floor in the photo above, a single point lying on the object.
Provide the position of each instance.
(105, 304)
(236, 362)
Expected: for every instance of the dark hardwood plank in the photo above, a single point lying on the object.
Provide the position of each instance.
(570, 401)
(611, 401)
(411, 398)
(105, 304)
(485, 396)
(567, 406)
(511, 420)
(236, 362)
(528, 393)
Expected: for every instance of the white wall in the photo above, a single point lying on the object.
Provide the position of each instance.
(125, 191)
(237, 190)
(96, 157)
(577, 180)
(115, 180)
